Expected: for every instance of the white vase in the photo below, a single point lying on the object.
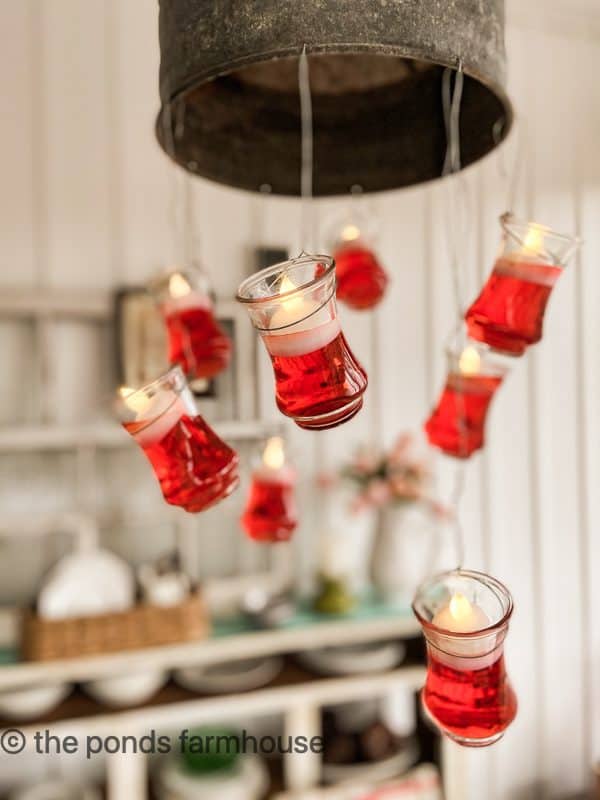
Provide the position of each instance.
(404, 551)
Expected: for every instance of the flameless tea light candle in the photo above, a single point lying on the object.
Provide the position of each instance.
(194, 467)
(318, 381)
(270, 514)
(361, 280)
(457, 424)
(195, 339)
(508, 315)
(464, 616)
(461, 616)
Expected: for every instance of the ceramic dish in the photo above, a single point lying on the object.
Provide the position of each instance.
(120, 691)
(86, 584)
(56, 790)
(26, 704)
(234, 676)
(354, 659)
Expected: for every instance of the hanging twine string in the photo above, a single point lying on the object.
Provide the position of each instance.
(511, 175)
(456, 205)
(306, 173)
(177, 236)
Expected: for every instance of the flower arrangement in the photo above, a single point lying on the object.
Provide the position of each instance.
(392, 477)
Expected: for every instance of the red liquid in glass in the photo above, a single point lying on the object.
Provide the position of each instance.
(197, 342)
(361, 280)
(457, 423)
(270, 514)
(194, 467)
(472, 704)
(322, 388)
(508, 315)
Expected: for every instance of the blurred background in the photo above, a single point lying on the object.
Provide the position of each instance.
(86, 203)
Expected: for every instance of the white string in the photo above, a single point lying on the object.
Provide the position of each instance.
(456, 201)
(512, 175)
(174, 191)
(457, 215)
(306, 174)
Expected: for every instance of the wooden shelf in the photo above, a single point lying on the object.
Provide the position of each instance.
(79, 706)
(230, 645)
(174, 707)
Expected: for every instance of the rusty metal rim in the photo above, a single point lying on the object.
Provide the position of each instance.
(415, 54)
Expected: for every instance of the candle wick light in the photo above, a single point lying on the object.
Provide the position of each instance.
(534, 241)
(273, 455)
(469, 362)
(178, 286)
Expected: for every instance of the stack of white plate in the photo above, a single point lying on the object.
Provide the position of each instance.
(56, 790)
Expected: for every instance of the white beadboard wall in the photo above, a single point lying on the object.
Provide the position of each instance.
(84, 202)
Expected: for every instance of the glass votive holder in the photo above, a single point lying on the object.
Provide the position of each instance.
(195, 339)
(508, 315)
(464, 616)
(194, 467)
(318, 381)
(361, 280)
(457, 423)
(270, 514)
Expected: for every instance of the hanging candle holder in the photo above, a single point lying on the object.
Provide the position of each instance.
(457, 424)
(318, 381)
(196, 341)
(467, 694)
(361, 280)
(508, 315)
(194, 467)
(270, 514)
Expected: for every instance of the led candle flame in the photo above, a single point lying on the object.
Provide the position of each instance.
(461, 616)
(273, 455)
(178, 286)
(469, 362)
(135, 401)
(534, 242)
(350, 233)
(293, 308)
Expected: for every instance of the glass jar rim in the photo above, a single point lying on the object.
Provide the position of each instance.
(303, 258)
(175, 376)
(509, 219)
(497, 587)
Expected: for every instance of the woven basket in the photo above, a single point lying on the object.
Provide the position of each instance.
(143, 625)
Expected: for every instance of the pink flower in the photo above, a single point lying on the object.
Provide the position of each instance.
(359, 504)
(400, 450)
(326, 480)
(405, 488)
(378, 492)
(441, 511)
(365, 462)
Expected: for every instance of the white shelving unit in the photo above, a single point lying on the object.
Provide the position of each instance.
(299, 703)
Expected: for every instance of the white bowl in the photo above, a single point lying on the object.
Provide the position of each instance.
(234, 676)
(33, 702)
(353, 659)
(120, 691)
